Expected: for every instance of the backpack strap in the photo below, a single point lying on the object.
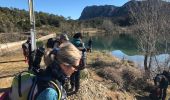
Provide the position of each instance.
(41, 84)
(57, 89)
(19, 85)
(33, 86)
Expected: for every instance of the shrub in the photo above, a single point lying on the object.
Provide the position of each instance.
(142, 84)
(110, 73)
(39, 43)
(133, 79)
(114, 87)
(98, 63)
(128, 75)
(84, 74)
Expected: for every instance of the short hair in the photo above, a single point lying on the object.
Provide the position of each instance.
(78, 35)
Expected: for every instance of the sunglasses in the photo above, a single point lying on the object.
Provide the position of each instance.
(69, 65)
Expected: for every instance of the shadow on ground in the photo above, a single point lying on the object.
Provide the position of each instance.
(142, 98)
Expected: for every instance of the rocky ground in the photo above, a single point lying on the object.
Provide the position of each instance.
(96, 88)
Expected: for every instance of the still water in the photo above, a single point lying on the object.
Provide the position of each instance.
(138, 59)
(123, 47)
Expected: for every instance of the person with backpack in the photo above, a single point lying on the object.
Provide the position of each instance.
(161, 83)
(48, 85)
(25, 48)
(75, 77)
(32, 57)
(50, 45)
(54, 44)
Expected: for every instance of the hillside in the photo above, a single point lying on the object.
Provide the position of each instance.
(17, 20)
(105, 78)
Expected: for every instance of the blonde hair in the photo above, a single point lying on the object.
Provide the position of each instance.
(67, 53)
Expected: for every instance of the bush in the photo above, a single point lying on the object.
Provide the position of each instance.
(98, 63)
(102, 63)
(111, 74)
(129, 78)
(39, 44)
(84, 74)
(114, 87)
(142, 84)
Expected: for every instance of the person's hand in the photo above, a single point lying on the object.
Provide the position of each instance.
(84, 50)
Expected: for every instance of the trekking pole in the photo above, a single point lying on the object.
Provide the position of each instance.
(11, 61)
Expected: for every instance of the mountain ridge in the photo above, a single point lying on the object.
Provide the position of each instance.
(121, 13)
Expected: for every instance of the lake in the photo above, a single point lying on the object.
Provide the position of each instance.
(138, 59)
(122, 46)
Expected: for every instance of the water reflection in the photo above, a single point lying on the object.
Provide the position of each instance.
(123, 46)
(113, 42)
(138, 59)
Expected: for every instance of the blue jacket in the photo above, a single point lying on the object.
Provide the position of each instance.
(77, 42)
(48, 94)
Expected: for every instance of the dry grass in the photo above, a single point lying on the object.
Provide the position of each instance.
(8, 69)
(111, 74)
(5, 82)
(96, 56)
(125, 74)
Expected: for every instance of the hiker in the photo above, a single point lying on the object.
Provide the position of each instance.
(39, 52)
(54, 44)
(161, 83)
(75, 78)
(51, 42)
(49, 85)
(28, 53)
(63, 38)
(32, 57)
(77, 41)
(90, 45)
(25, 48)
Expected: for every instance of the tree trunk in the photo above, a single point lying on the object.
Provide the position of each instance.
(145, 62)
(146, 67)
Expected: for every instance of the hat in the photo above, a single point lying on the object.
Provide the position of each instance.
(77, 35)
(64, 37)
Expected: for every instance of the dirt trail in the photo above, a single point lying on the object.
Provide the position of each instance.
(97, 88)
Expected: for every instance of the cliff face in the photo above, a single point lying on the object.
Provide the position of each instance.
(105, 11)
(114, 12)
(119, 15)
(97, 11)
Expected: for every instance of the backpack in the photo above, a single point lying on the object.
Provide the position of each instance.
(27, 86)
(25, 48)
(167, 75)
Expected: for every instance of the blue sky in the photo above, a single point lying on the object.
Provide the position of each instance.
(66, 8)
